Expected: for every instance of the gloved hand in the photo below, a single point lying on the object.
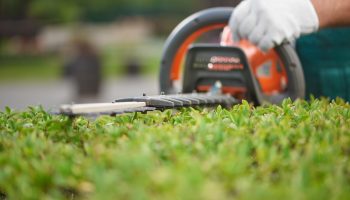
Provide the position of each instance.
(267, 23)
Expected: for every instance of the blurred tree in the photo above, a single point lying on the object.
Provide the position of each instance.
(61, 11)
(24, 18)
(102, 10)
(56, 11)
(47, 11)
(13, 9)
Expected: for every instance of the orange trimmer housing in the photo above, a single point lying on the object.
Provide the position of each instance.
(269, 68)
(273, 79)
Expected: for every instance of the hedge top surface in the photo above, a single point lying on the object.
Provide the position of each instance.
(299, 150)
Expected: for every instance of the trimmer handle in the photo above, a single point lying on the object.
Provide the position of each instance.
(207, 20)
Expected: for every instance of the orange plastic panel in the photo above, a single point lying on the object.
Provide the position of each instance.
(274, 81)
(275, 78)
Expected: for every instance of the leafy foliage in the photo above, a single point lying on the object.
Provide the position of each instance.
(299, 150)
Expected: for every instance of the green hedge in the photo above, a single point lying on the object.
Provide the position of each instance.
(297, 151)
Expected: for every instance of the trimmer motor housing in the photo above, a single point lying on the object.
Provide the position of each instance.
(192, 62)
(206, 65)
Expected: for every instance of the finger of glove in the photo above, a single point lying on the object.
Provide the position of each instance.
(247, 25)
(275, 32)
(277, 35)
(266, 43)
(286, 32)
(294, 28)
(237, 17)
(291, 38)
(257, 34)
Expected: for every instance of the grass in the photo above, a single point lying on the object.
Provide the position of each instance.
(299, 150)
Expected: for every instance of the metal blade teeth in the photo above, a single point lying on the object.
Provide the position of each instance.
(183, 100)
(147, 103)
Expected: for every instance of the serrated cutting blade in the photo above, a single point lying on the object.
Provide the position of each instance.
(147, 103)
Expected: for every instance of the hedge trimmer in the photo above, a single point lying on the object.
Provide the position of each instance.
(201, 62)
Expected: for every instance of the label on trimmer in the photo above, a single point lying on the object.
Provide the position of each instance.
(213, 61)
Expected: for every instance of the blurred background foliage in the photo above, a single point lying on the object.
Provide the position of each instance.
(63, 11)
(41, 39)
(24, 22)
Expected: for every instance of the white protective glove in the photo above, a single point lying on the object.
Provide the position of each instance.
(267, 23)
